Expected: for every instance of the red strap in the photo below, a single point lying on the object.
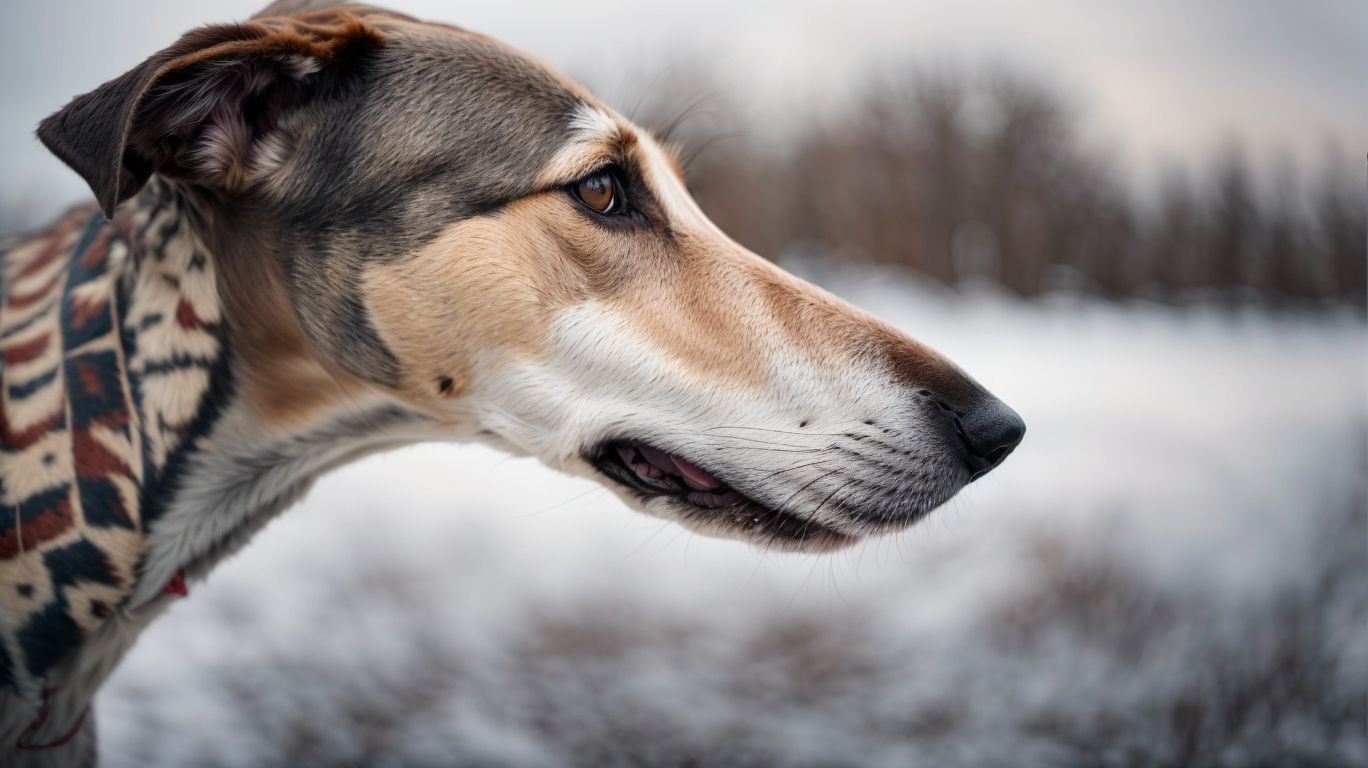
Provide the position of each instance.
(177, 585)
(38, 723)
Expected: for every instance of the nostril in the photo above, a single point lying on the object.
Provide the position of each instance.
(995, 458)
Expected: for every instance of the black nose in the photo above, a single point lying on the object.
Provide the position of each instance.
(989, 431)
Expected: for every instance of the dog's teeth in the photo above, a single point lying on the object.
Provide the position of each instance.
(670, 474)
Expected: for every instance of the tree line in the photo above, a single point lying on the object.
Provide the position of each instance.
(986, 178)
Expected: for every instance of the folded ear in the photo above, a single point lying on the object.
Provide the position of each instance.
(199, 110)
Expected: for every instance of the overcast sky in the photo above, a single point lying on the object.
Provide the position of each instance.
(1157, 80)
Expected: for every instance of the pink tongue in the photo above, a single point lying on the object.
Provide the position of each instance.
(695, 477)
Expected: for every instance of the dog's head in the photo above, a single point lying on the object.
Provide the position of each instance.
(425, 215)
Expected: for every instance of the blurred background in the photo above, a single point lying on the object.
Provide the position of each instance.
(1141, 224)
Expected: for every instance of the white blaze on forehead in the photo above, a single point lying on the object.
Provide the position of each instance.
(592, 122)
(591, 135)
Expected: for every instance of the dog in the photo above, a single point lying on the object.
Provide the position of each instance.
(333, 230)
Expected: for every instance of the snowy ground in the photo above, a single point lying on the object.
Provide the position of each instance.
(1170, 570)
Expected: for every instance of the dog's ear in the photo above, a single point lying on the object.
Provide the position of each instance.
(199, 109)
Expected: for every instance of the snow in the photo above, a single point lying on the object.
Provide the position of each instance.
(1171, 568)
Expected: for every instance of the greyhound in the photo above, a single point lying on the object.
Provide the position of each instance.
(333, 230)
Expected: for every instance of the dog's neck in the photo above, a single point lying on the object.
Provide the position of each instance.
(259, 420)
(149, 431)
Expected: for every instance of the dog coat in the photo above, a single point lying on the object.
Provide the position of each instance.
(108, 354)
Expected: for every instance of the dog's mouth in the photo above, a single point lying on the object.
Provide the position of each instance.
(707, 502)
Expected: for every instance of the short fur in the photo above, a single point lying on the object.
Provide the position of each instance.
(336, 230)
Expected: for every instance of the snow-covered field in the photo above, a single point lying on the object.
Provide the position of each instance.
(1172, 569)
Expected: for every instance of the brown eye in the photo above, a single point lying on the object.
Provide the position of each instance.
(600, 192)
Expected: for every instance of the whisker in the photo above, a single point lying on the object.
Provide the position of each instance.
(776, 473)
(764, 442)
(664, 524)
(694, 152)
(559, 504)
(782, 508)
(780, 431)
(762, 445)
(689, 110)
(812, 516)
(839, 488)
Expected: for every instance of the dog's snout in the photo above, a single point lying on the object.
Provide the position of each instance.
(985, 429)
(989, 430)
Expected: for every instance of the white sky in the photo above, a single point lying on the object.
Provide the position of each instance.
(1160, 80)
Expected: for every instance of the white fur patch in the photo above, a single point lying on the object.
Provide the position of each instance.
(589, 144)
(604, 381)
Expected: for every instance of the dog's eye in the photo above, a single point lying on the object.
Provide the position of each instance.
(601, 192)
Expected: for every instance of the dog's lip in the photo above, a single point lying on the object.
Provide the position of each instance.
(652, 473)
